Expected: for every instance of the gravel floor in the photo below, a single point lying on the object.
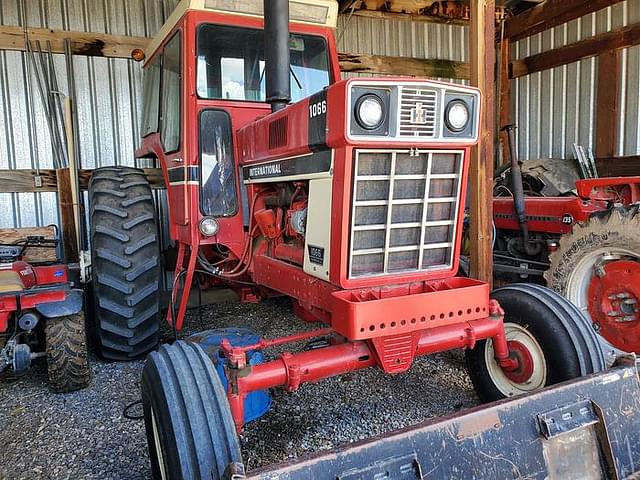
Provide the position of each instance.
(84, 434)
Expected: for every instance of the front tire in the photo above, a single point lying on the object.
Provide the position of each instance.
(67, 363)
(552, 341)
(125, 263)
(190, 430)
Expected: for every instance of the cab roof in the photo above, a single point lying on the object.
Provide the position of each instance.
(311, 12)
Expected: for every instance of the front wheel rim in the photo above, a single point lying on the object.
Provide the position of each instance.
(516, 334)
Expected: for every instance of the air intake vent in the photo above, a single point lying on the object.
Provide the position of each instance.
(404, 211)
(418, 112)
(278, 133)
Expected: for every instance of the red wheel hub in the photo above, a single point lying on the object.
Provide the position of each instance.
(521, 354)
(614, 293)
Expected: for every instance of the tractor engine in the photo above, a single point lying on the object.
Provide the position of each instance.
(362, 182)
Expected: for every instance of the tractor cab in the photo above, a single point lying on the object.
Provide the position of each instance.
(204, 79)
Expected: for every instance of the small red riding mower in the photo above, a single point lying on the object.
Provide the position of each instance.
(579, 236)
(348, 200)
(41, 316)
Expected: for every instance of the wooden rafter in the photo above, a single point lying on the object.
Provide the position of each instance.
(550, 14)
(589, 47)
(447, 11)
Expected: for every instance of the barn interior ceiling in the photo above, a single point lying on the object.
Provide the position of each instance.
(443, 10)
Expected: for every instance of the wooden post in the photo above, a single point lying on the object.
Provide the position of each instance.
(607, 99)
(504, 118)
(67, 218)
(482, 53)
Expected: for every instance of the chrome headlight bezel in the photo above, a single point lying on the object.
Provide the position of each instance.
(373, 101)
(209, 226)
(452, 107)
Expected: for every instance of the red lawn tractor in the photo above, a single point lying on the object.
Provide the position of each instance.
(345, 195)
(41, 316)
(581, 237)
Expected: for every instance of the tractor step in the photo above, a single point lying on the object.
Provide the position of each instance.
(587, 428)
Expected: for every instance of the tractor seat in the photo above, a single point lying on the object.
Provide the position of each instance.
(10, 281)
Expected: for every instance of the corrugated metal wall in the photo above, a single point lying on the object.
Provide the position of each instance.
(108, 94)
(399, 38)
(556, 108)
(109, 89)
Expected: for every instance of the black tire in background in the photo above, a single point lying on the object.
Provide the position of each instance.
(567, 343)
(125, 263)
(66, 347)
(189, 427)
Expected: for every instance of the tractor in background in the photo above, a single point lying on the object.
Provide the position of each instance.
(41, 315)
(580, 237)
(346, 196)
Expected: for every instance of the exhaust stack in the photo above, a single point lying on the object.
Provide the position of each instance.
(276, 52)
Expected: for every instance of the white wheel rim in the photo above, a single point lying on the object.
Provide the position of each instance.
(580, 277)
(506, 386)
(577, 290)
(156, 441)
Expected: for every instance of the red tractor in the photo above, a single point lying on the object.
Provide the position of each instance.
(41, 316)
(345, 195)
(581, 237)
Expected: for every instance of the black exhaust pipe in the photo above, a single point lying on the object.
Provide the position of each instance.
(518, 191)
(276, 53)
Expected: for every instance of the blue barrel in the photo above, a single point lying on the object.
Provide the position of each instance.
(257, 403)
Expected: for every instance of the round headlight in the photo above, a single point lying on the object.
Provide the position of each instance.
(209, 226)
(369, 111)
(457, 116)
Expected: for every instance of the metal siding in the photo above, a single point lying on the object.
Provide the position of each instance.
(556, 108)
(400, 38)
(107, 95)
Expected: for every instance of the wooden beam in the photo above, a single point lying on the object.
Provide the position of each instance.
(607, 99)
(67, 225)
(19, 181)
(448, 12)
(482, 53)
(504, 117)
(117, 46)
(417, 67)
(550, 14)
(408, 17)
(83, 43)
(619, 166)
(589, 47)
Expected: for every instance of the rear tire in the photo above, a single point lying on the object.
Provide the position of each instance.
(125, 263)
(67, 363)
(558, 342)
(190, 430)
(600, 241)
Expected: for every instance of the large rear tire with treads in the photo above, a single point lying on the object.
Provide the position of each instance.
(551, 339)
(125, 262)
(597, 267)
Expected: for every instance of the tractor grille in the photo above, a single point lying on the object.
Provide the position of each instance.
(405, 206)
(418, 112)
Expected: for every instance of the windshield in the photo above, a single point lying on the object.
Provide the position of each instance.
(231, 64)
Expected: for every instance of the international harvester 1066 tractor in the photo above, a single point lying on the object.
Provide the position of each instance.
(282, 179)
